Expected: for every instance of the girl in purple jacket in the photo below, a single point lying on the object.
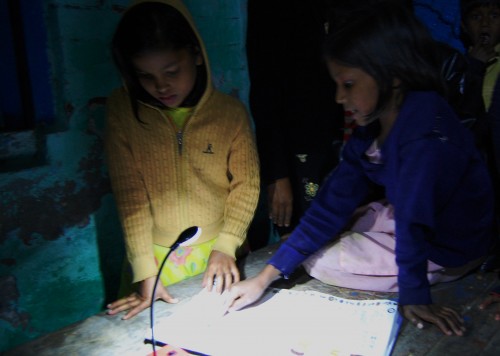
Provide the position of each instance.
(435, 220)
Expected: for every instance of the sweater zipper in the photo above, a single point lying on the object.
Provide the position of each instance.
(179, 142)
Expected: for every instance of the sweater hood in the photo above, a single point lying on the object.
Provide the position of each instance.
(179, 5)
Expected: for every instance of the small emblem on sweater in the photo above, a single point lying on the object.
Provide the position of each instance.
(209, 149)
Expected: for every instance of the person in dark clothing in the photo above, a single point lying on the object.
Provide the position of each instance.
(300, 129)
(298, 124)
(480, 34)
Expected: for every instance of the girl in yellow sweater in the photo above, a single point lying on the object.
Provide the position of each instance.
(180, 154)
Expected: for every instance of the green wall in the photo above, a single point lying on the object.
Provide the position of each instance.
(60, 240)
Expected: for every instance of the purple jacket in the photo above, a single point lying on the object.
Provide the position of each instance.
(433, 176)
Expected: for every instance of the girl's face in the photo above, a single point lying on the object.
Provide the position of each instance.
(357, 91)
(483, 25)
(168, 75)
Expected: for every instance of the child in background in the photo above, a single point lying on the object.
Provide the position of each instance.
(179, 153)
(481, 37)
(298, 126)
(494, 118)
(436, 221)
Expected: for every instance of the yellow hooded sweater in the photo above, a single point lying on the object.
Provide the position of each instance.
(165, 180)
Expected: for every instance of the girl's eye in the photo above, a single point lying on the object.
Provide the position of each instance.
(348, 85)
(475, 17)
(172, 73)
(144, 75)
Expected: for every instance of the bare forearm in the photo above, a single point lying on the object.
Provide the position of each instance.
(268, 275)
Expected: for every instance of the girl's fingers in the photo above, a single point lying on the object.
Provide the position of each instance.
(121, 308)
(287, 215)
(456, 326)
(137, 310)
(453, 316)
(491, 300)
(118, 303)
(418, 323)
(487, 302)
(168, 298)
(237, 301)
(228, 282)
(449, 321)
(413, 318)
(123, 304)
(235, 274)
(443, 326)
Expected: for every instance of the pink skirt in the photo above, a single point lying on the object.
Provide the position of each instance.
(364, 257)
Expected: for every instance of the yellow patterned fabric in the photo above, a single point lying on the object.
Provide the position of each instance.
(184, 262)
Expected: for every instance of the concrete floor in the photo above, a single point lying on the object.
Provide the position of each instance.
(105, 335)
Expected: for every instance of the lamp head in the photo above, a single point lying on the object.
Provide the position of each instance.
(188, 236)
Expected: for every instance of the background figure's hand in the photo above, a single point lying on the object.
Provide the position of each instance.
(481, 52)
(280, 202)
(138, 301)
(493, 298)
(446, 319)
(221, 269)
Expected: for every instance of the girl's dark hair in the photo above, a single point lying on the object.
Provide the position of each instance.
(388, 42)
(149, 27)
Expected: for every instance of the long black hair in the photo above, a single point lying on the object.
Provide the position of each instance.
(388, 42)
(150, 27)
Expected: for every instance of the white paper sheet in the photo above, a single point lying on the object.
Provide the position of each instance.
(285, 322)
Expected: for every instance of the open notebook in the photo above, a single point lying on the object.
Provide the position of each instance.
(284, 322)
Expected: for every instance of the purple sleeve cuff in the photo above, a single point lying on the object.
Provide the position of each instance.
(286, 259)
(420, 296)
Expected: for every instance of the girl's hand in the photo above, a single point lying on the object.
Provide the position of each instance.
(494, 298)
(138, 301)
(221, 271)
(446, 319)
(280, 202)
(249, 291)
